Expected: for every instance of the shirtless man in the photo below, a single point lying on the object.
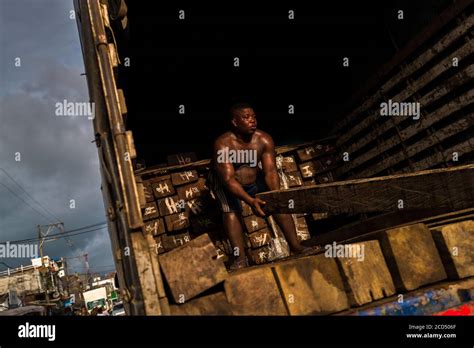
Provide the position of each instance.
(236, 176)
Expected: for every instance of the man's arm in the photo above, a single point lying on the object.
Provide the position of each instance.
(269, 164)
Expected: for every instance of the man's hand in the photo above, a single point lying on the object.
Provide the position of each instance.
(256, 205)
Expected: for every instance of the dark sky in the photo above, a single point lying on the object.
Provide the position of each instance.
(58, 161)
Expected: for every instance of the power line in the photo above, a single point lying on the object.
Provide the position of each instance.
(54, 236)
(34, 200)
(21, 198)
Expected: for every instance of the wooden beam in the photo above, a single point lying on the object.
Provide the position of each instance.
(438, 92)
(367, 278)
(461, 149)
(412, 150)
(425, 121)
(397, 60)
(311, 286)
(455, 243)
(416, 85)
(451, 188)
(192, 268)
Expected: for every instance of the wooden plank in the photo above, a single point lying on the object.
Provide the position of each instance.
(302, 231)
(246, 210)
(192, 191)
(308, 169)
(181, 158)
(260, 238)
(294, 179)
(313, 151)
(422, 124)
(160, 249)
(451, 188)
(464, 148)
(409, 69)
(192, 268)
(175, 222)
(150, 211)
(214, 304)
(379, 223)
(148, 283)
(254, 223)
(261, 255)
(412, 256)
(455, 243)
(286, 163)
(185, 177)
(169, 205)
(254, 291)
(312, 285)
(410, 151)
(173, 241)
(439, 91)
(148, 191)
(155, 227)
(162, 189)
(366, 275)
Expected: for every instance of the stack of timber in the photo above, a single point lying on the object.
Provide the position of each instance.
(435, 71)
(349, 276)
(177, 205)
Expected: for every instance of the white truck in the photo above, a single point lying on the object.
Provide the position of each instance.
(96, 298)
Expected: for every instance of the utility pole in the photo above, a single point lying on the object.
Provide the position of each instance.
(41, 237)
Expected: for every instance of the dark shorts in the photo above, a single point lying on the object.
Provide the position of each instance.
(227, 201)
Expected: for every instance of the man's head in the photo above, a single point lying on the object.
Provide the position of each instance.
(243, 118)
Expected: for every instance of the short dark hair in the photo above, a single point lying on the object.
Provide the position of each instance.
(239, 106)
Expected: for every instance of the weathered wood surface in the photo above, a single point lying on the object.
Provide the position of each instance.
(185, 177)
(176, 222)
(162, 188)
(181, 158)
(149, 286)
(254, 223)
(451, 188)
(193, 268)
(312, 285)
(150, 211)
(191, 191)
(170, 242)
(155, 227)
(455, 244)
(254, 292)
(425, 143)
(215, 304)
(260, 238)
(412, 257)
(407, 70)
(367, 278)
(423, 123)
(462, 148)
(439, 91)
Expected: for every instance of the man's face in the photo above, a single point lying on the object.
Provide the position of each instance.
(245, 121)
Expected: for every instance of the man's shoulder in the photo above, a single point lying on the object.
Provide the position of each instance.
(264, 137)
(223, 138)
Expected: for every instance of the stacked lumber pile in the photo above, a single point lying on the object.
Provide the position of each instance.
(388, 265)
(177, 205)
